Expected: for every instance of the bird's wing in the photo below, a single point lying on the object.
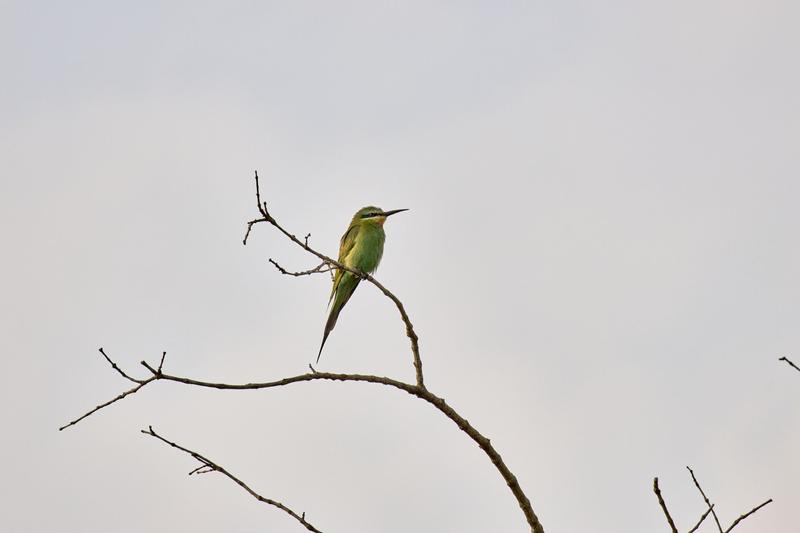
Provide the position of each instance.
(345, 246)
(348, 241)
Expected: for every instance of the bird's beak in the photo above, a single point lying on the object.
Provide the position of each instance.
(393, 211)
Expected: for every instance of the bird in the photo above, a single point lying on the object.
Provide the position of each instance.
(360, 248)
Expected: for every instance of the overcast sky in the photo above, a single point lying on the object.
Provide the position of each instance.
(601, 260)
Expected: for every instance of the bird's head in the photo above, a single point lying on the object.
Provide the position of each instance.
(374, 215)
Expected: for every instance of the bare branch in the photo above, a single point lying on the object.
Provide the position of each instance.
(714, 514)
(207, 465)
(128, 392)
(702, 518)
(410, 333)
(140, 383)
(705, 498)
(319, 269)
(748, 513)
(250, 227)
(663, 505)
(262, 208)
(413, 389)
(788, 362)
(202, 469)
(118, 369)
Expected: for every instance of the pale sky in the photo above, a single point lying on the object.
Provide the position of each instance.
(601, 260)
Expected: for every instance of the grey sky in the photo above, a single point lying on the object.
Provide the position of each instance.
(601, 260)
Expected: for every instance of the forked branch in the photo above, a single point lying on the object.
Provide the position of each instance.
(709, 510)
(207, 465)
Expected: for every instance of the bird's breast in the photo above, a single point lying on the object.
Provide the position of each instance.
(367, 252)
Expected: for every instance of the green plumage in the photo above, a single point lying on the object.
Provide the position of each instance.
(361, 249)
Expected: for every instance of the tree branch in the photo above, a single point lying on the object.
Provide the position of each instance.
(708, 503)
(788, 362)
(663, 505)
(118, 369)
(748, 513)
(708, 511)
(207, 465)
(415, 390)
(319, 269)
(134, 390)
(702, 518)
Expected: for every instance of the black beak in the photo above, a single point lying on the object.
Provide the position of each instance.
(393, 211)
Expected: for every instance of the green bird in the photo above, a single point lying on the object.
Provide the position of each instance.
(361, 249)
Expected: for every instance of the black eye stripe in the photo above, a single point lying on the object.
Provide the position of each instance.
(371, 215)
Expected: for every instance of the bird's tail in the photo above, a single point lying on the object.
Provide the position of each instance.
(347, 285)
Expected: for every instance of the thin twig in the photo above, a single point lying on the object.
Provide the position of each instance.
(708, 503)
(748, 513)
(788, 362)
(202, 469)
(211, 466)
(410, 333)
(128, 392)
(118, 369)
(702, 518)
(319, 269)
(663, 505)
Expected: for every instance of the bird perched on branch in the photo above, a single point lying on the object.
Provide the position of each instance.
(361, 249)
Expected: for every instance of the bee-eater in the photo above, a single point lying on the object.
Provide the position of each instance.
(361, 249)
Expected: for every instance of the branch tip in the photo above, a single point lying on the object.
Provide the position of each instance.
(663, 505)
(207, 465)
(789, 362)
(705, 498)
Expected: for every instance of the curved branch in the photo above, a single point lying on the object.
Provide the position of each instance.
(207, 465)
(410, 333)
(415, 390)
